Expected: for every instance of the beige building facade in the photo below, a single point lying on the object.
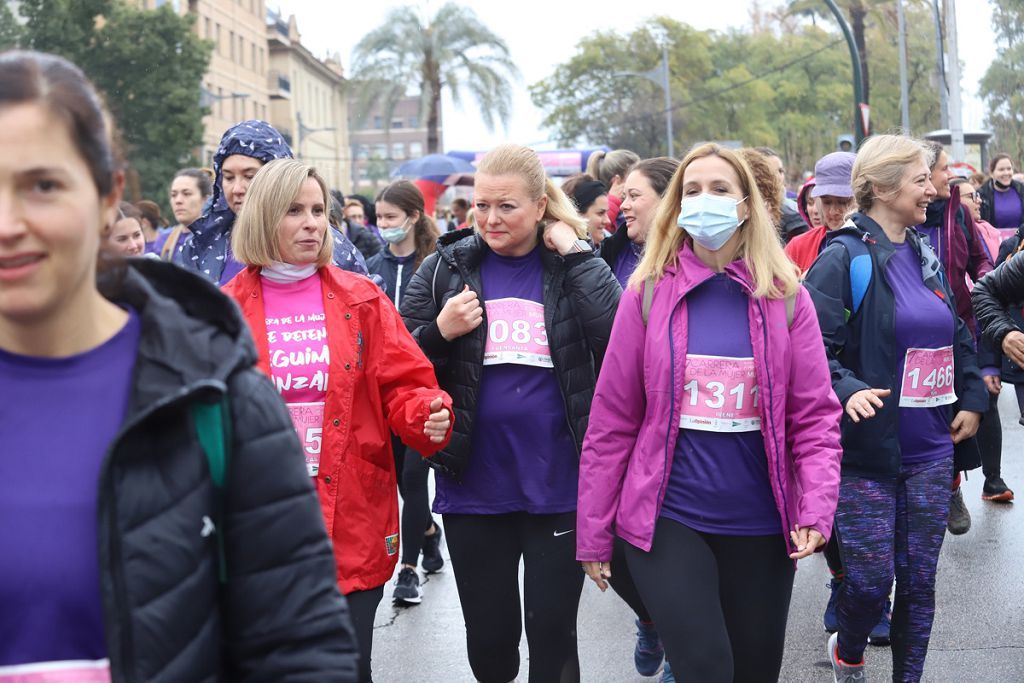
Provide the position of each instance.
(308, 103)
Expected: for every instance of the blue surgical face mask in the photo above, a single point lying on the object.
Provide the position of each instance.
(710, 220)
(395, 235)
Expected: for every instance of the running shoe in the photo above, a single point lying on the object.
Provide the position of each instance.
(407, 588)
(831, 620)
(666, 674)
(648, 653)
(996, 490)
(432, 561)
(959, 520)
(880, 633)
(844, 672)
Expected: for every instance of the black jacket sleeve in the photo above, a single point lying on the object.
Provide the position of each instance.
(419, 311)
(284, 618)
(595, 295)
(828, 282)
(993, 293)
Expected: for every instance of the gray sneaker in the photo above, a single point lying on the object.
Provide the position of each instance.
(959, 520)
(841, 671)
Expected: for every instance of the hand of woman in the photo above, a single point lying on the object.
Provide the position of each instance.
(560, 237)
(965, 425)
(598, 572)
(1013, 346)
(806, 540)
(461, 315)
(439, 422)
(994, 384)
(864, 402)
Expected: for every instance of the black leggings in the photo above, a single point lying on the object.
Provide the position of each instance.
(990, 439)
(622, 582)
(720, 603)
(485, 552)
(362, 607)
(412, 473)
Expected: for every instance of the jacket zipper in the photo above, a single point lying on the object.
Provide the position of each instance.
(114, 563)
(770, 413)
(398, 287)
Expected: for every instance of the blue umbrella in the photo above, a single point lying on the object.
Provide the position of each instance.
(435, 167)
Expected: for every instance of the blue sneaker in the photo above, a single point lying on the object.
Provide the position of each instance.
(648, 653)
(880, 633)
(666, 674)
(830, 619)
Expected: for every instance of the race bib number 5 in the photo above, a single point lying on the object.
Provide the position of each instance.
(308, 419)
(720, 395)
(927, 378)
(516, 333)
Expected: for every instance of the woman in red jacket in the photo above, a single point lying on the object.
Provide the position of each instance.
(338, 352)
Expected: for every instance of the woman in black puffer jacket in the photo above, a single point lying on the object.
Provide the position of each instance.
(516, 318)
(156, 519)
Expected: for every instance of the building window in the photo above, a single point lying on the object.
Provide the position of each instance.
(380, 151)
(378, 122)
(220, 102)
(254, 64)
(362, 152)
(220, 47)
(241, 51)
(415, 150)
(414, 122)
(231, 45)
(396, 123)
(209, 30)
(397, 150)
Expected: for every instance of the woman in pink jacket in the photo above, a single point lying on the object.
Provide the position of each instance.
(714, 455)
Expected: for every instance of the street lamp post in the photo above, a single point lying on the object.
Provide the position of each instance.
(659, 76)
(859, 123)
(302, 130)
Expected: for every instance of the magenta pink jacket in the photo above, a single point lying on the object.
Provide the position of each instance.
(634, 421)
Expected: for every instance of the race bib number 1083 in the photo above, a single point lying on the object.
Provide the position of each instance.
(516, 333)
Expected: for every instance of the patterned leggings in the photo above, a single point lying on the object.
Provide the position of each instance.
(888, 527)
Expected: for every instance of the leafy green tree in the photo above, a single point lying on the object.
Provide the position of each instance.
(147, 64)
(1002, 86)
(9, 30)
(592, 98)
(451, 51)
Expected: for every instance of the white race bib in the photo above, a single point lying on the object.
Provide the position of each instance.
(57, 672)
(927, 378)
(516, 333)
(720, 394)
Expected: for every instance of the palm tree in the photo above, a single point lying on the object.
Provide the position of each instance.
(452, 51)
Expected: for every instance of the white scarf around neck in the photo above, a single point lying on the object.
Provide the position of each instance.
(284, 273)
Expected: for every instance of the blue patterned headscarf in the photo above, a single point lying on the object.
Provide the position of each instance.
(207, 250)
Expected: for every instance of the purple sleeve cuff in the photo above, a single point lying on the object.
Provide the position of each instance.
(990, 372)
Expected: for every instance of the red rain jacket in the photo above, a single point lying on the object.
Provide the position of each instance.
(379, 381)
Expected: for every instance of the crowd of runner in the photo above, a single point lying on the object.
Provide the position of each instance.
(659, 373)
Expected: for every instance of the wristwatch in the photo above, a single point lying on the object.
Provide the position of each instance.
(581, 247)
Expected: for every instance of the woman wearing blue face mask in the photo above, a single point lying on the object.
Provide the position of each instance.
(411, 236)
(713, 445)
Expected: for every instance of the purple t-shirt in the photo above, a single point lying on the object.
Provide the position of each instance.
(1006, 209)
(923, 321)
(55, 435)
(627, 262)
(719, 480)
(522, 454)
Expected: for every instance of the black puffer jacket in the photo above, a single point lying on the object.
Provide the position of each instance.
(580, 298)
(279, 616)
(993, 294)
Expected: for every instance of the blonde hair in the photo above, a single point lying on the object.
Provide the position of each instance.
(773, 273)
(524, 163)
(606, 165)
(881, 162)
(254, 239)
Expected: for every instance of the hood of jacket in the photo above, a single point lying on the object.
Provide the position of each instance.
(192, 334)
(801, 200)
(253, 138)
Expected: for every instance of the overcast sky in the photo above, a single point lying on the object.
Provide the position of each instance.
(543, 33)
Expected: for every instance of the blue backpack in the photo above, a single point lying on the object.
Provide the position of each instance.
(860, 270)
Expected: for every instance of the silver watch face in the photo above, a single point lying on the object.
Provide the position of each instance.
(582, 246)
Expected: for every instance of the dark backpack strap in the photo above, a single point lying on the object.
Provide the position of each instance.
(213, 428)
(648, 298)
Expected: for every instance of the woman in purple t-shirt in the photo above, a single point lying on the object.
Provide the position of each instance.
(1002, 197)
(515, 316)
(903, 364)
(714, 443)
(140, 537)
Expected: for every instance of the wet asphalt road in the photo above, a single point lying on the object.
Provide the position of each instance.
(978, 633)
